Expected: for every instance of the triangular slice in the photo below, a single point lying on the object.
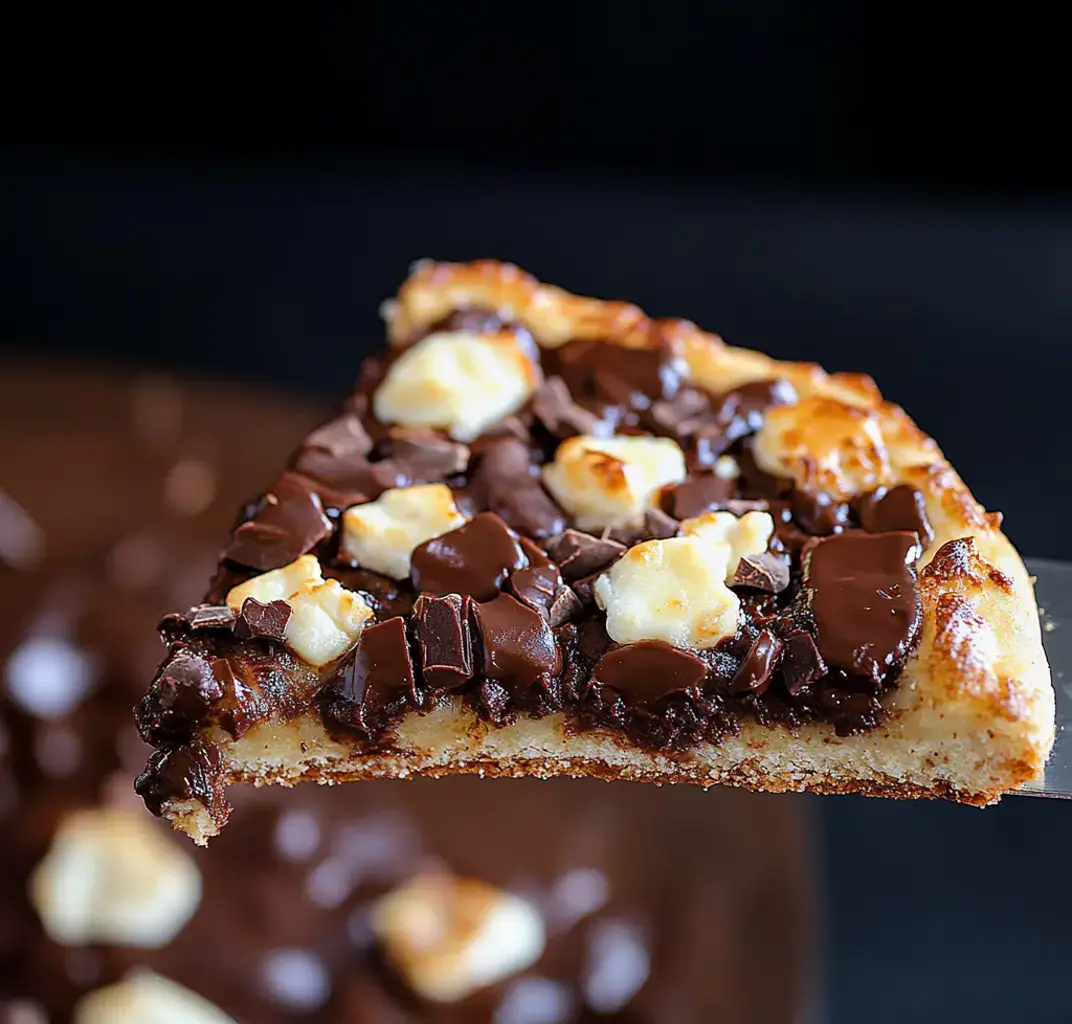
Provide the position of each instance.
(547, 535)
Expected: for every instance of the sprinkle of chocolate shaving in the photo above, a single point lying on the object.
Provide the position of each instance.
(580, 554)
(765, 572)
(209, 616)
(263, 620)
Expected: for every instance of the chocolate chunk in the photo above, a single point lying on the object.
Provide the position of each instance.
(266, 620)
(423, 456)
(819, 514)
(580, 554)
(742, 410)
(754, 675)
(617, 375)
(342, 436)
(179, 697)
(802, 664)
(210, 616)
(536, 585)
(350, 475)
(289, 522)
(565, 607)
(682, 415)
(379, 676)
(519, 649)
(698, 494)
(739, 506)
(765, 572)
(648, 671)
(658, 525)
(441, 625)
(505, 484)
(553, 406)
(472, 560)
(900, 508)
(193, 772)
(861, 588)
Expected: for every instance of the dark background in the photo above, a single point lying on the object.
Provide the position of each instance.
(232, 192)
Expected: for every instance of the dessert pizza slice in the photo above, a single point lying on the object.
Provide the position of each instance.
(547, 535)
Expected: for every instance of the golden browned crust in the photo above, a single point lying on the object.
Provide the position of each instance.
(973, 715)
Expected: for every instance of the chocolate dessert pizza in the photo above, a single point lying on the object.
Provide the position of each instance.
(460, 901)
(549, 535)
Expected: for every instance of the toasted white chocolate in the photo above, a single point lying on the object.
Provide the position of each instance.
(326, 619)
(147, 998)
(458, 381)
(824, 446)
(612, 481)
(111, 876)
(382, 534)
(672, 590)
(451, 936)
(746, 536)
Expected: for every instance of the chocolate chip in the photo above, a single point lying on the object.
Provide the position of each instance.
(423, 456)
(536, 585)
(565, 607)
(802, 664)
(505, 484)
(648, 671)
(472, 560)
(698, 494)
(765, 572)
(580, 554)
(209, 616)
(754, 675)
(742, 410)
(342, 436)
(862, 592)
(379, 677)
(265, 620)
(193, 772)
(658, 525)
(180, 695)
(519, 649)
(900, 508)
(554, 407)
(441, 625)
(633, 377)
(289, 522)
(819, 514)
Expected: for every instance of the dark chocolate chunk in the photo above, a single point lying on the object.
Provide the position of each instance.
(819, 514)
(379, 676)
(754, 675)
(739, 506)
(742, 410)
(900, 508)
(178, 698)
(505, 483)
(580, 554)
(861, 589)
(658, 525)
(630, 377)
(350, 475)
(423, 456)
(553, 406)
(342, 436)
(472, 560)
(519, 649)
(193, 772)
(802, 664)
(565, 607)
(289, 522)
(441, 625)
(698, 494)
(648, 671)
(765, 572)
(210, 616)
(682, 415)
(266, 620)
(535, 586)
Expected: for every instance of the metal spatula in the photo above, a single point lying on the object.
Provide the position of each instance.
(1054, 592)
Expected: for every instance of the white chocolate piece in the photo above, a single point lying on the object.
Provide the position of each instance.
(612, 481)
(112, 876)
(824, 446)
(457, 381)
(381, 535)
(326, 619)
(746, 536)
(672, 590)
(147, 998)
(451, 936)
